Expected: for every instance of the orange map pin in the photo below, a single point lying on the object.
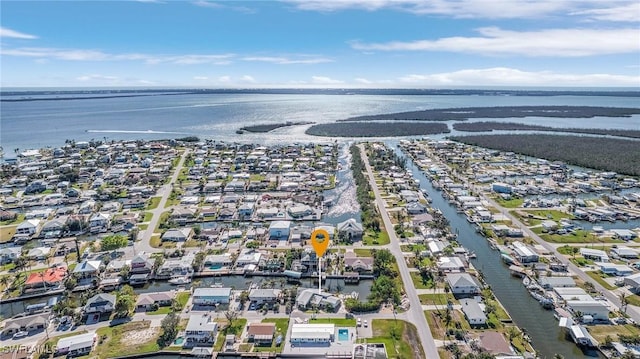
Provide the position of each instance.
(320, 247)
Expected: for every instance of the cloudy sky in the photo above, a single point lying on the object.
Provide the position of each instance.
(321, 43)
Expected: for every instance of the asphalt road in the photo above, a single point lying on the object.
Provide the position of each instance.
(144, 244)
(415, 315)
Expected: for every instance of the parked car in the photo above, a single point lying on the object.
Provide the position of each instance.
(20, 334)
(359, 322)
(365, 323)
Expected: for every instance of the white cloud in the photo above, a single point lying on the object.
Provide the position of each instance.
(97, 55)
(287, 61)
(224, 79)
(4, 32)
(504, 76)
(247, 78)
(200, 78)
(624, 13)
(453, 8)
(551, 42)
(323, 80)
(96, 77)
(217, 5)
(363, 81)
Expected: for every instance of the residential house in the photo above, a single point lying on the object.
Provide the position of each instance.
(261, 296)
(312, 334)
(54, 228)
(100, 304)
(182, 215)
(9, 254)
(99, 222)
(39, 253)
(141, 264)
(556, 282)
(279, 230)
(416, 208)
(463, 284)
(473, 312)
(76, 345)
(50, 278)
(625, 252)
(88, 269)
(248, 256)
(619, 270)
(350, 230)
(495, 344)
(28, 227)
(524, 253)
(146, 301)
(261, 333)
(310, 298)
(177, 234)
(176, 266)
(597, 310)
(29, 323)
(217, 261)
(595, 254)
(357, 264)
(201, 330)
(450, 264)
(211, 296)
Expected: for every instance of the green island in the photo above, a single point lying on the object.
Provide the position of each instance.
(487, 126)
(272, 126)
(376, 129)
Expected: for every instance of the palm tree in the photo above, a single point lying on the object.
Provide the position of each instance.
(623, 301)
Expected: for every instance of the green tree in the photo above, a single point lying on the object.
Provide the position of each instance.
(125, 301)
(114, 241)
(169, 327)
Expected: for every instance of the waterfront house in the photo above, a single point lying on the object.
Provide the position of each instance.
(138, 279)
(176, 266)
(262, 296)
(76, 345)
(248, 256)
(211, 296)
(556, 282)
(524, 253)
(28, 227)
(261, 333)
(28, 323)
(624, 234)
(416, 208)
(594, 310)
(350, 230)
(463, 284)
(100, 304)
(473, 312)
(9, 254)
(50, 278)
(495, 344)
(39, 253)
(450, 264)
(311, 299)
(88, 269)
(182, 215)
(146, 301)
(54, 228)
(357, 264)
(201, 331)
(99, 222)
(217, 261)
(141, 263)
(312, 334)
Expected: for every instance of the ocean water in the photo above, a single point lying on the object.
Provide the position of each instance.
(35, 124)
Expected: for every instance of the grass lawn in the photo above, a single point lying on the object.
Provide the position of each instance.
(511, 203)
(360, 252)
(143, 227)
(634, 299)
(6, 233)
(148, 215)
(236, 328)
(413, 247)
(598, 277)
(437, 298)
(282, 325)
(579, 236)
(160, 311)
(153, 204)
(399, 337)
(340, 322)
(419, 283)
(599, 332)
(118, 340)
(371, 238)
(19, 218)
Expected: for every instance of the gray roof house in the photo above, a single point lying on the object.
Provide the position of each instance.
(473, 312)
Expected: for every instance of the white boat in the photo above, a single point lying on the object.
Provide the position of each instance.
(180, 280)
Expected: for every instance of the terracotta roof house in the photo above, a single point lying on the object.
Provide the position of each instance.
(261, 333)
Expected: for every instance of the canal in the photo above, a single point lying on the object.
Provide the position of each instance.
(526, 312)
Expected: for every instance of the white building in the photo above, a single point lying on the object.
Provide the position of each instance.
(77, 345)
(201, 331)
(210, 296)
(312, 334)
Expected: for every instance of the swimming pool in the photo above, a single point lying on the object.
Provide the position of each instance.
(343, 335)
(215, 267)
(178, 341)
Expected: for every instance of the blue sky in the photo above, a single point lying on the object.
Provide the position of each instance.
(321, 43)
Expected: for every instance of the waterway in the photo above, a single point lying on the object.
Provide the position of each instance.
(526, 312)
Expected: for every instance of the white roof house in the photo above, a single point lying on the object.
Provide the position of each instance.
(596, 254)
(76, 345)
(594, 308)
(474, 313)
(312, 333)
(463, 283)
(208, 296)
